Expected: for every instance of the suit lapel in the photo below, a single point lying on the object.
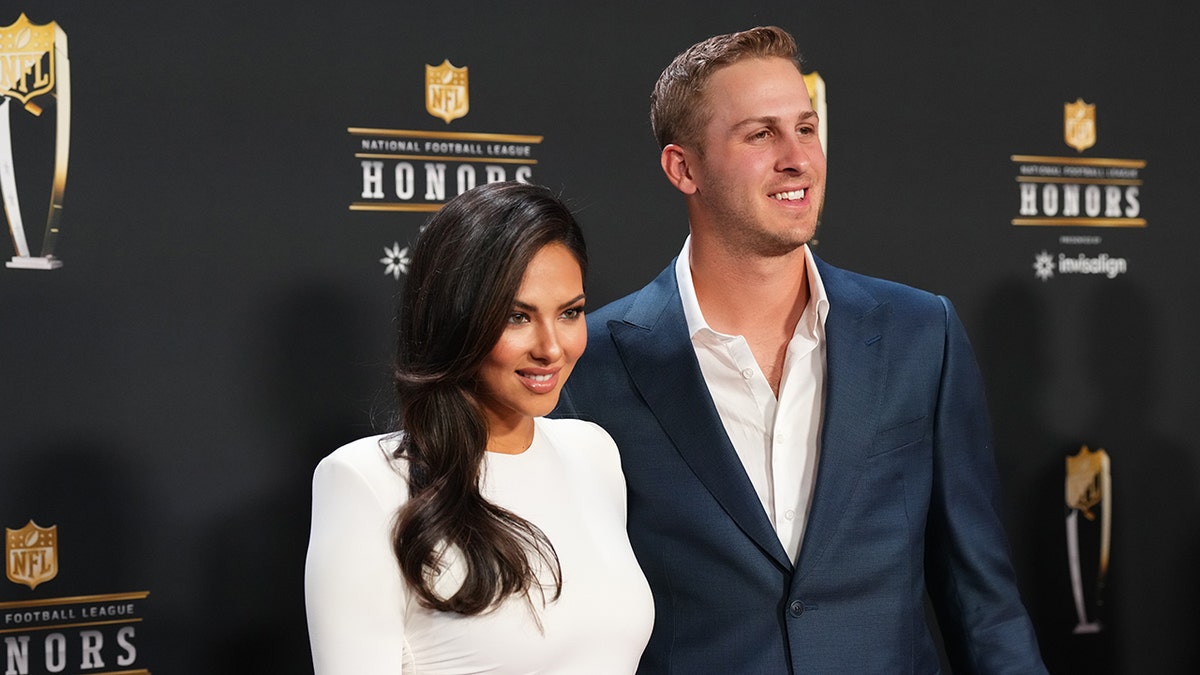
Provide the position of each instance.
(856, 362)
(653, 341)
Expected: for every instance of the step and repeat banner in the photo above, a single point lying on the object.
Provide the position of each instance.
(211, 209)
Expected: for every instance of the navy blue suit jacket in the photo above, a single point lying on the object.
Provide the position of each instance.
(905, 499)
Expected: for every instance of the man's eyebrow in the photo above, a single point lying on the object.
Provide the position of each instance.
(769, 120)
(772, 120)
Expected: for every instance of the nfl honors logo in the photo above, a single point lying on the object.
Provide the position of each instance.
(446, 91)
(1079, 191)
(31, 554)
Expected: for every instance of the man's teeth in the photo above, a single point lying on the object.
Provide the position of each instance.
(539, 378)
(791, 194)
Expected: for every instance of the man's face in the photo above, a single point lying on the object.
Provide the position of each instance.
(760, 182)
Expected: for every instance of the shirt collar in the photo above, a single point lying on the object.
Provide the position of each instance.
(812, 321)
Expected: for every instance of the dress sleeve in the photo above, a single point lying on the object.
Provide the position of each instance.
(616, 477)
(354, 594)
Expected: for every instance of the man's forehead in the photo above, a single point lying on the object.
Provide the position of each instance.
(742, 93)
(750, 75)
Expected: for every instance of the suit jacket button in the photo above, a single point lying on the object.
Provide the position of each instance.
(796, 608)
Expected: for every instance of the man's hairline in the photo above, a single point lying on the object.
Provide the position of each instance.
(698, 145)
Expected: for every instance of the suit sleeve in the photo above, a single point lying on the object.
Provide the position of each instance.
(970, 578)
(354, 594)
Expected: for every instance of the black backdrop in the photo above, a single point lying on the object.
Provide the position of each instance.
(222, 317)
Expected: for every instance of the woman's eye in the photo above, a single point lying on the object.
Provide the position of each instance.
(517, 317)
(573, 313)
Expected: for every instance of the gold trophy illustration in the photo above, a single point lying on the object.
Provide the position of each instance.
(1089, 483)
(34, 65)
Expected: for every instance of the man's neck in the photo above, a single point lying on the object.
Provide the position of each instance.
(760, 299)
(750, 295)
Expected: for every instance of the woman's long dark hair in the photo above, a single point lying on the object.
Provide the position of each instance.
(466, 270)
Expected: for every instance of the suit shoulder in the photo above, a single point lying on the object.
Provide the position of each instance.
(884, 291)
(887, 287)
(613, 310)
(643, 306)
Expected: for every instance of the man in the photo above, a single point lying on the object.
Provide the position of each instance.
(807, 450)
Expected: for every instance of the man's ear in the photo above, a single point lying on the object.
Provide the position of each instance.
(675, 163)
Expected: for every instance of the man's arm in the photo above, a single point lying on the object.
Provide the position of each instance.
(968, 570)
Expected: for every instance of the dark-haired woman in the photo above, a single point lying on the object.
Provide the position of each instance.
(482, 537)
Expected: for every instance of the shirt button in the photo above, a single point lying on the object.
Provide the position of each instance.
(747, 373)
(789, 514)
(796, 608)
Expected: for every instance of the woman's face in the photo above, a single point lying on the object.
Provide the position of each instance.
(543, 338)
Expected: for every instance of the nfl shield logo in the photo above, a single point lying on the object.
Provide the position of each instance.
(27, 59)
(31, 554)
(446, 91)
(1079, 124)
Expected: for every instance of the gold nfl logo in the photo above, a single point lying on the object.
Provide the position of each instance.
(1079, 124)
(446, 91)
(31, 554)
(27, 60)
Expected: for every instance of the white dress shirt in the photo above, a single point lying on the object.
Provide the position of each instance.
(777, 439)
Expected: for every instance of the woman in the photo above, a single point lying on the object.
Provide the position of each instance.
(482, 537)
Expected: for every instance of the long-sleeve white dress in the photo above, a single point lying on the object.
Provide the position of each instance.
(363, 619)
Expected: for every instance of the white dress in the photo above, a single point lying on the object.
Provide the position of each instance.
(363, 620)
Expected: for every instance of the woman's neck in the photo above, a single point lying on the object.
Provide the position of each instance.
(510, 439)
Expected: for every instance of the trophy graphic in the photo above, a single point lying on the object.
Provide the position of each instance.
(816, 93)
(1089, 483)
(33, 65)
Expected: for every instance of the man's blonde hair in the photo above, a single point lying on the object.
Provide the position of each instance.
(678, 110)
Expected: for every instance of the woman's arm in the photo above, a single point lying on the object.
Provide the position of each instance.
(354, 593)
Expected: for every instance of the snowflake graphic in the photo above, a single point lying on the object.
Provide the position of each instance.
(395, 260)
(1043, 266)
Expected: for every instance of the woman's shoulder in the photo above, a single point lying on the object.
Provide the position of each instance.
(365, 451)
(581, 442)
(575, 431)
(371, 459)
(590, 462)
